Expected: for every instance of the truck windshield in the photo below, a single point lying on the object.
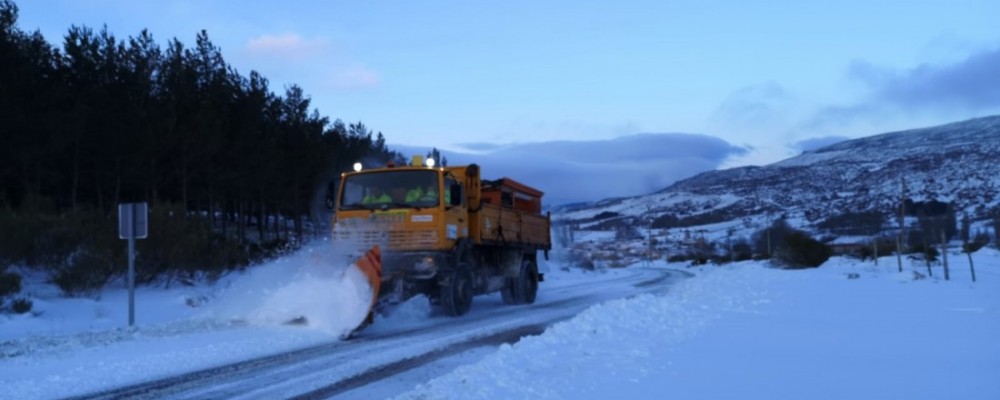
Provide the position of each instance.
(391, 189)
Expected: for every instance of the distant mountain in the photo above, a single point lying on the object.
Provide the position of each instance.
(957, 163)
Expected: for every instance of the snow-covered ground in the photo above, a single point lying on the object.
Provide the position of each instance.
(846, 330)
(746, 331)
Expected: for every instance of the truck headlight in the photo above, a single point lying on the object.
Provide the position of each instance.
(424, 264)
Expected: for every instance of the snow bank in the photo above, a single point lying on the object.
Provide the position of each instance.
(78, 346)
(605, 351)
(846, 330)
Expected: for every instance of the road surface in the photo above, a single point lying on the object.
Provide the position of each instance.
(389, 358)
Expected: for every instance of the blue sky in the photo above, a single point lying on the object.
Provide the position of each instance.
(768, 78)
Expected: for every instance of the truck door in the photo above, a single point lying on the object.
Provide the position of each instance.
(456, 217)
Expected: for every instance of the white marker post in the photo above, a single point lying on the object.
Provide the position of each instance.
(132, 224)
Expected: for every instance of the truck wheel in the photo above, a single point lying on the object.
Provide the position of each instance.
(507, 293)
(456, 295)
(527, 283)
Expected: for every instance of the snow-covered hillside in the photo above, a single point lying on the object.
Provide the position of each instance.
(953, 163)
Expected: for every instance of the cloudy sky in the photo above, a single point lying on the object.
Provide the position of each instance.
(543, 88)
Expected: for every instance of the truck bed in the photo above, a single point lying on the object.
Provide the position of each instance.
(511, 226)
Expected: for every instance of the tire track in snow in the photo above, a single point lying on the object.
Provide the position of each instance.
(259, 376)
(389, 370)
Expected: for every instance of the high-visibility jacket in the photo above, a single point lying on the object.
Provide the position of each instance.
(370, 199)
(414, 195)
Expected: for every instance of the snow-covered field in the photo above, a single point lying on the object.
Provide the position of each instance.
(745, 330)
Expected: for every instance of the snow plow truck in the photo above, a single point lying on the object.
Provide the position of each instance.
(442, 232)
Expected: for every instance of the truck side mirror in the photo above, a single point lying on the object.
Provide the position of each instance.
(455, 193)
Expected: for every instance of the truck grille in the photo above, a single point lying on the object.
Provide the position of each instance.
(425, 239)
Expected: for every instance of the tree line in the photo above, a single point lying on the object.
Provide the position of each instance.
(104, 120)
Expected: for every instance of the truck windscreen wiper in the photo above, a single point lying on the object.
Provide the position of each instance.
(353, 206)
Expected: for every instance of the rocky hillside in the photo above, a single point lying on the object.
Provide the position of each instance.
(957, 163)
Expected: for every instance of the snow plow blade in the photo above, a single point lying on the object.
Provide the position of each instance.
(370, 265)
(361, 278)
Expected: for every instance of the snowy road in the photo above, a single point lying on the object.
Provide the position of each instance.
(393, 348)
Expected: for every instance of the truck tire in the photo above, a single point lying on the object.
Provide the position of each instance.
(527, 283)
(507, 293)
(456, 293)
(523, 288)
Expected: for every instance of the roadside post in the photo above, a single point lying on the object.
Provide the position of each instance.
(132, 224)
